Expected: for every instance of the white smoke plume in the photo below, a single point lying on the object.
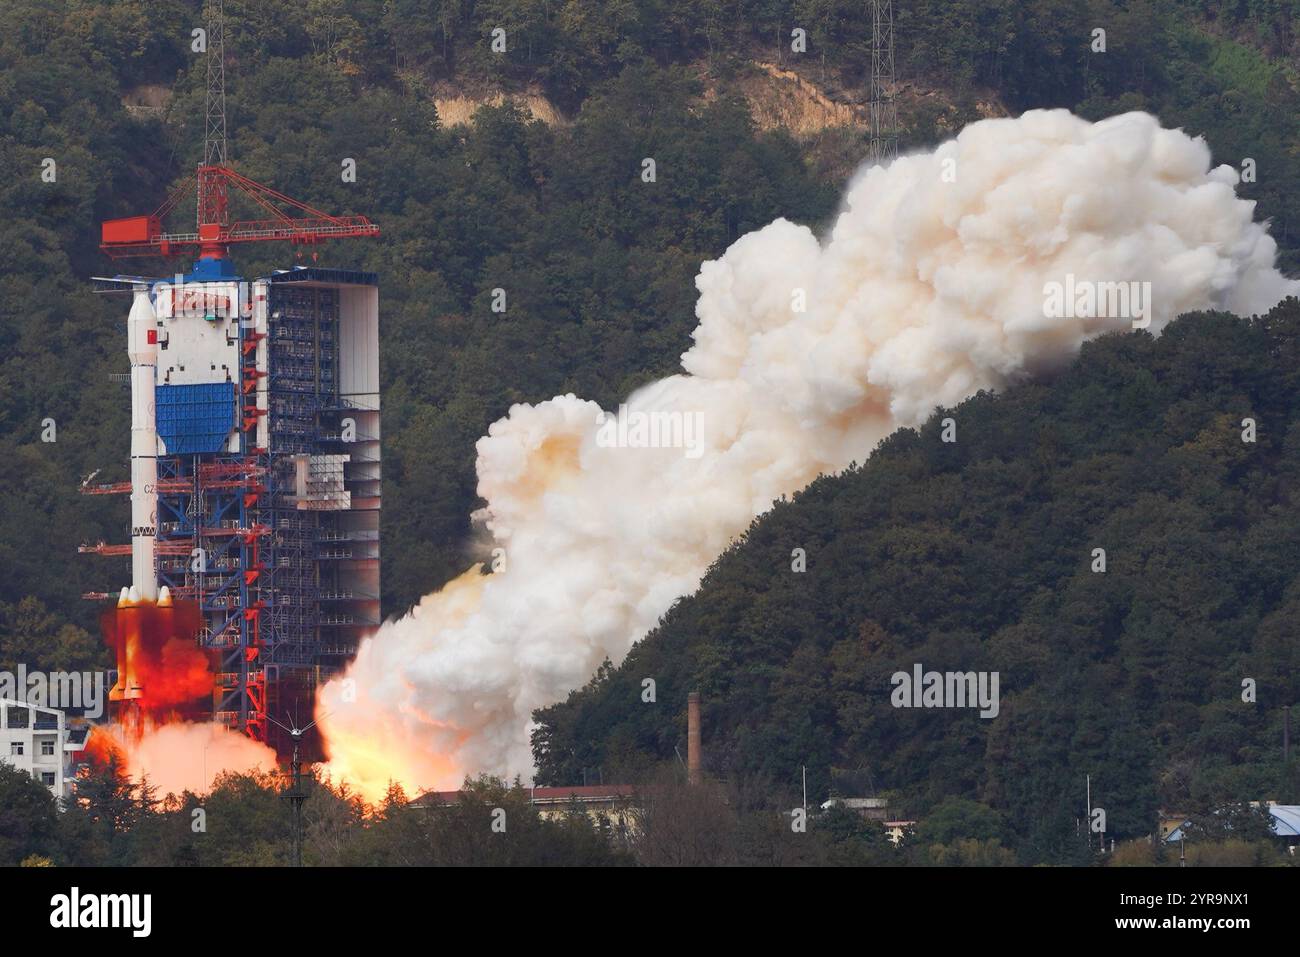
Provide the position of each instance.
(930, 286)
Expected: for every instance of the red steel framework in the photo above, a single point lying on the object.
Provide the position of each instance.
(144, 235)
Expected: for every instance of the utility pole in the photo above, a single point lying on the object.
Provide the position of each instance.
(883, 110)
(1087, 821)
(1286, 734)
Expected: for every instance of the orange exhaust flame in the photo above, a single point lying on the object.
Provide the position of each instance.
(179, 756)
(371, 745)
(163, 691)
(159, 665)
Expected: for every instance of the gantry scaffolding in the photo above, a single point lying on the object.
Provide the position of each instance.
(307, 629)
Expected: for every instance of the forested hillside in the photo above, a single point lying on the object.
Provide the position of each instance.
(598, 265)
(979, 555)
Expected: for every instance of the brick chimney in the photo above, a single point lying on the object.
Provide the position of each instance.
(693, 755)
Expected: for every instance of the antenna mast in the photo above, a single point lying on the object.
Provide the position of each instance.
(296, 796)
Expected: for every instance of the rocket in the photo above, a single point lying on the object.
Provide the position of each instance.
(142, 347)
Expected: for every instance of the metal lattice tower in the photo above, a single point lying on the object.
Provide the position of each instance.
(212, 206)
(214, 134)
(884, 112)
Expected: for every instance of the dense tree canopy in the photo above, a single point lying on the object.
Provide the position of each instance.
(979, 555)
(598, 266)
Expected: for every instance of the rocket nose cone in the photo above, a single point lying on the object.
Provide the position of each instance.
(141, 308)
(164, 597)
(134, 594)
(141, 331)
(123, 598)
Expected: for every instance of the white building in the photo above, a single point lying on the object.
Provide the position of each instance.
(37, 740)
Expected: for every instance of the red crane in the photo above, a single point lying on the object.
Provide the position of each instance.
(215, 234)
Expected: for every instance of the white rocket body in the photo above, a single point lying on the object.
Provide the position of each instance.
(142, 346)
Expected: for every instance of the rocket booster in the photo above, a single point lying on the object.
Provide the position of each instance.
(128, 636)
(142, 347)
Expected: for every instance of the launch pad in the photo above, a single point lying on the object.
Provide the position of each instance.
(255, 480)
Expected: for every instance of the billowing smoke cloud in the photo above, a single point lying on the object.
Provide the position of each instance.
(931, 286)
(179, 756)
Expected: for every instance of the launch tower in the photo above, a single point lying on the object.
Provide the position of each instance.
(255, 427)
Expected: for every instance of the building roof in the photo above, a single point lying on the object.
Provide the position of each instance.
(305, 274)
(1286, 822)
(38, 708)
(1286, 819)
